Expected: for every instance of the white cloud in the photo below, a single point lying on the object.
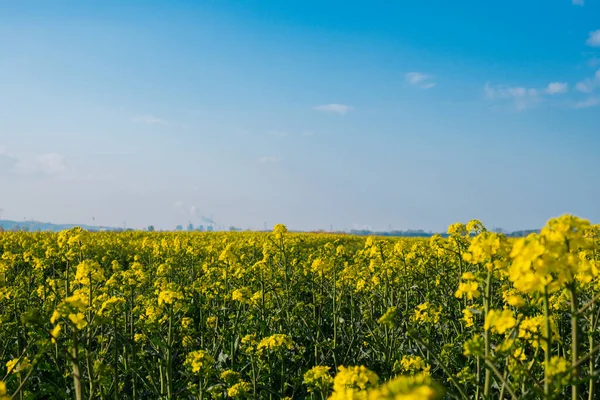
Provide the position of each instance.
(269, 160)
(594, 62)
(3, 150)
(419, 79)
(557, 87)
(307, 133)
(585, 86)
(588, 85)
(587, 103)
(521, 97)
(578, 2)
(594, 39)
(334, 108)
(47, 164)
(149, 119)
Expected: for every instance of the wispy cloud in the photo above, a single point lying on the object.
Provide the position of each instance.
(588, 85)
(578, 2)
(149, 119)
(594, 62)
(587, 103)
(521, 97)
(557, 88)
(47, 164)
(334, 108)
(419, 79)
(594, 39)
(307, 133)
(585, 86)
(269, 160)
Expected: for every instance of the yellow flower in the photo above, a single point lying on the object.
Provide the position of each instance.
(276, 342)
(230, 377)
(353, 382)
(468, 317)
(483, 247)
(513, 299)
(243, 295)
(279, 230)
(139, 337)
(468, 289)
(416, 387)
(468, 276)
(239, 389)
(169, 296)
(55, 332)
(551, 258)
(200, 361)
(558, 366)
(3, 392)
(78, 320)
(457, 229)
(318, 379)
(211, 321)
(88, 272)
(412, 365)
(499, 321)
(16, 365)
(427, 313)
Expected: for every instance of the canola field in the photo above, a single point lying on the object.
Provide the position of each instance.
(281, 315)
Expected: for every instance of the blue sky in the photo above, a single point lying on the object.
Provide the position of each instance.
(309, 113)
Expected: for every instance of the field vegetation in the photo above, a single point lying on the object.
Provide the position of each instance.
(148, 315)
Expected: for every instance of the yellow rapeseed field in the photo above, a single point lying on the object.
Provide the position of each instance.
(280, 315)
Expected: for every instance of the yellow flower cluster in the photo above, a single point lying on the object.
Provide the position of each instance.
(273, 314)
(317, 379)
(200, 361)
(352, 383)
(411, 365)
(499, 321)
(275, 343)
(550, 259)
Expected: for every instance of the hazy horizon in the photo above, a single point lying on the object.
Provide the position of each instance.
(312, 114)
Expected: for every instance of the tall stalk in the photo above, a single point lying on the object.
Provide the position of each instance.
(574, 342)
(486, 333)
(548, 339)
(76, 369)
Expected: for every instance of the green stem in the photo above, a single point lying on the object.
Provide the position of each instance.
(442, 365)
(488, 372)
(592, 384)
(548, 348)
(76, 369)
(491, 367)
(574, 342)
